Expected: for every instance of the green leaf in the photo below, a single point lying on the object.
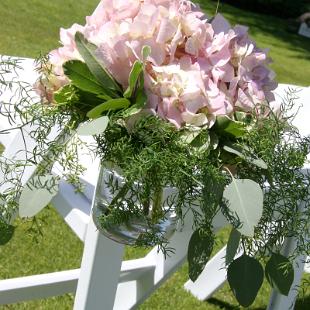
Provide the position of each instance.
(214, 140)
(238, 151)
(94, 127)
(189, 135)
(199, 250)
(104, 97)
(141, 100)
(88, 100)
(133, 79)
(245, 198)
(6, 232)
(245, 276)
(232, 245)
(146, 52)
(37, 194)
(243, 117)
(88, 53)
(81, 77)
(110, 105)
(66, 95)
(202, 142)
(280, 273)
(229, 127)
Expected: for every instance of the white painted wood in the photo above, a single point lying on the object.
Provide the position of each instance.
(280, 302)
(73, 207)
(211, 279)
(304, 30)
(134, 269)
(100, 270)
(38, 286)
(24, 73)
(307, 265)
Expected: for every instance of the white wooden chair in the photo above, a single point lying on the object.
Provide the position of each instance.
(104, 280)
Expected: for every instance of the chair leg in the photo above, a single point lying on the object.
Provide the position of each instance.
(100, 271)
(280, 302)
(211, 279)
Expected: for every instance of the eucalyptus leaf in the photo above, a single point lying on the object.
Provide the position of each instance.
(232, 245)
(80, 76)
(6, 232)
(135, 72)
(245, 198)
(280, 273)
(245, 276)
(88, 52)
(110, 105)
(201, 142)
(94, 127)
(238, 151)
(199, 251)
(37, 194)
(189, 135)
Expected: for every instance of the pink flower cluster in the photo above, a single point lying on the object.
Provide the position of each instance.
(197, 69)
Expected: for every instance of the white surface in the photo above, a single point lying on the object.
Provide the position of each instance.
(25, 74)
(304, 30)
(38, 286)
(302, 108)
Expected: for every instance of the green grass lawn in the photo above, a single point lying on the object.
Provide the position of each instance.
(29, 27)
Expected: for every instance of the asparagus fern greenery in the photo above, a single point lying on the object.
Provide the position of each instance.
(245, 165)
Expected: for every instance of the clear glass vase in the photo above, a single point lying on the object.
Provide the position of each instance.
(136, 226)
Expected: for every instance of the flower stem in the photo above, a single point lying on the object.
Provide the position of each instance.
(157, 211)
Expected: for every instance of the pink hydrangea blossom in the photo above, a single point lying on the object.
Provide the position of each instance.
(197, 69)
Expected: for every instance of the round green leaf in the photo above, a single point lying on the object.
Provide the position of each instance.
(280, 273)
(6, 232)
(199, 250)
(245, 198)
(94, 127)
(37, 194)
(232, 245)
(245, 276)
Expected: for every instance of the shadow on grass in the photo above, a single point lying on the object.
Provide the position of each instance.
(225, 305)
(268, 26)
(301, 304)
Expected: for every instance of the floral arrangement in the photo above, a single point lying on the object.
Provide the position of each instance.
(180, 108)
